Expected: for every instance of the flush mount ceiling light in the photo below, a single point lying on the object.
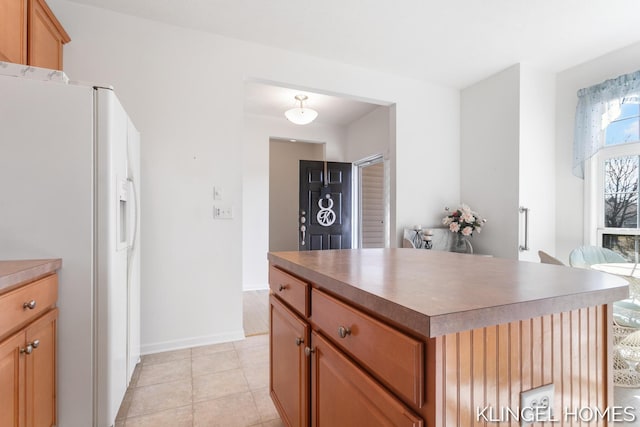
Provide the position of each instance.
(301, 115)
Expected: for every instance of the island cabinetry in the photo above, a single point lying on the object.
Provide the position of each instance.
(345, 395)
(30, 34)
(355, 370)
(290, 289)
(28, 350)
(394, 358)
(289, 379)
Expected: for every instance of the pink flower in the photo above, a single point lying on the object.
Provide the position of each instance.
(454, 227)
(467, 231)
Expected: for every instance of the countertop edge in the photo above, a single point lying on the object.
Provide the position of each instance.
(444, 324)
(24, 271)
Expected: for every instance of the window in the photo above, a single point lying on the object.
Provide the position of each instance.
(616, 182)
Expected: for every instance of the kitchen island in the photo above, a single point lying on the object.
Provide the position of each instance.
(426, 338)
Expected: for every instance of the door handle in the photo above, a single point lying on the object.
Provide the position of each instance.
(525, 247)
(303, 230)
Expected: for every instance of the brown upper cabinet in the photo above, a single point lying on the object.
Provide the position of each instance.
(30, 34)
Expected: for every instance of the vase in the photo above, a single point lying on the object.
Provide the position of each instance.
(461, 244)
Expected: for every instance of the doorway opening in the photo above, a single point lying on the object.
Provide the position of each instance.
(284, 160)
(371, 228)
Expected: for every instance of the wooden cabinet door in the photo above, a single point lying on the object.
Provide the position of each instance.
(46, 37)
(41, 371)
(12, 382)
(13, 31)
(342, 394)
(289, 366)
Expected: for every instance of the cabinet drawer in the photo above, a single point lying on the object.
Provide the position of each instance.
(14, 305)
(290, 289)
(396, 359)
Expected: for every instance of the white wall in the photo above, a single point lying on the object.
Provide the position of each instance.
(537, 160)
(490, 117)
(184, 91)
(507, 160)
(570, 189)
(255, 184)
(369, 135)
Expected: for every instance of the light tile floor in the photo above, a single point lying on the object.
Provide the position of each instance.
(226, 384)
(216, 385)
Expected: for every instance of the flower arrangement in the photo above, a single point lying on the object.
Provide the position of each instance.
(463, 220)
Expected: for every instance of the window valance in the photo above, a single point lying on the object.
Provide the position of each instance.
(597, 106)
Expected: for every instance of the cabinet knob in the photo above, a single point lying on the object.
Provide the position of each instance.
(308, 351)
(282, 288)
(35, 343)
(30, 305)
(299, 341)
(343, 332)
(27, 350)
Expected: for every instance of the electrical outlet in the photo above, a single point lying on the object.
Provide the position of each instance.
(536, 405)
(223, 212)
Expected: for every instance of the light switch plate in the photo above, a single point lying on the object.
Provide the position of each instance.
(217, 193)
(223, 212)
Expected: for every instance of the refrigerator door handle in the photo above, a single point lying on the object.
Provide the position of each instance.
(134, 217)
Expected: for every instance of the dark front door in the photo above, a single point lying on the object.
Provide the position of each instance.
(325, 205)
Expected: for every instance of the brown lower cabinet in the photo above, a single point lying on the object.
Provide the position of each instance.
(324, 376)
(28, 355)
(344, 395)
(289, 376)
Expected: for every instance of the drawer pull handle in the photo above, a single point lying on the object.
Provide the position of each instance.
(30, 305)
(282, 288)
(343, 332)
(308, 351)
(299, 341)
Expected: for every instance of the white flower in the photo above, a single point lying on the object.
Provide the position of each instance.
(468, 217)
(454, 227)
(446, 220)
(467, 231)
(478, 229)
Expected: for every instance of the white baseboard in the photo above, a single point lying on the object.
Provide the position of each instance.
(256, 287)
(191, 342)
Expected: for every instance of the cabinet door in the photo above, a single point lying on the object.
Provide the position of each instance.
(12, 382)
(289, 366)
(13, 31)
(344, 395)
(46, 37)
(41, 371)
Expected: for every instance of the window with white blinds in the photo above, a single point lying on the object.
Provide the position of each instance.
(372, 205)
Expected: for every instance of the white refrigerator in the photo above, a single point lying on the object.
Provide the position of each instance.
(70, 188)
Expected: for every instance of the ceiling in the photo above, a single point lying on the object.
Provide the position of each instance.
(453, 43)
